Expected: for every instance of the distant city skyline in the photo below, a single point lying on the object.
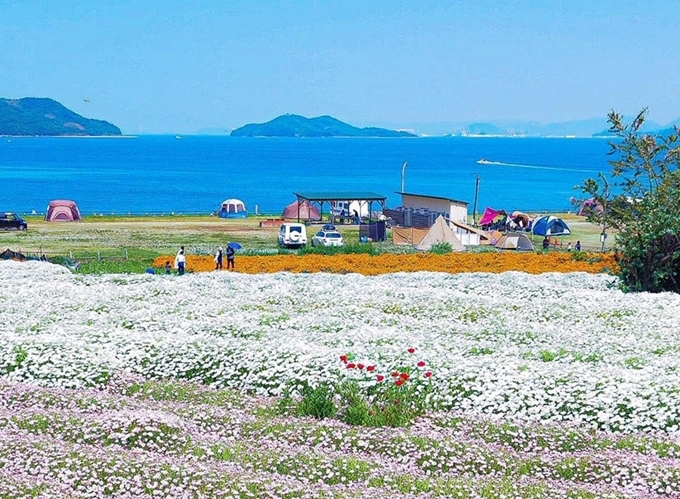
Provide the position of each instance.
(180, 67)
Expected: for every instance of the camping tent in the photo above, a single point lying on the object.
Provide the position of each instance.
(516, 241)
(589, 206)
(62, 210)
(232, 208)
(550, 226)
(302, 210)
(440, 232)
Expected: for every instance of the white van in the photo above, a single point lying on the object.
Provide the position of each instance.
(292, 235)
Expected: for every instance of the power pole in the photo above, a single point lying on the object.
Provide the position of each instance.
(474, 205)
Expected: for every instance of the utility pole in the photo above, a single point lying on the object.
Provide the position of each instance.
(474, 205)
(403, 170)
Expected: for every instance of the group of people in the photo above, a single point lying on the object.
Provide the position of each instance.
(181, 260)
(220, 255)
(546, 244)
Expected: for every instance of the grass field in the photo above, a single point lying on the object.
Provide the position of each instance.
(144, 238)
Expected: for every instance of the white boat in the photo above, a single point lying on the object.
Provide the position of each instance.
(483, 161)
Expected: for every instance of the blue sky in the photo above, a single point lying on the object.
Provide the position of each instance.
(178, 67)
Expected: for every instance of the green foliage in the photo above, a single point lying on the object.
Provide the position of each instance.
(441, 248)
(347, 249)
(386, 404)
(640, 199)
(317, 402)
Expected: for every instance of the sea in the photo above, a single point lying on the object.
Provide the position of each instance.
(162, 175)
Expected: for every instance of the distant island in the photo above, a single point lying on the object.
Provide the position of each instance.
(33, 116)
(292, 125)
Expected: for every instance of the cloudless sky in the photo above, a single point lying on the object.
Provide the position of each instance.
(178, 66)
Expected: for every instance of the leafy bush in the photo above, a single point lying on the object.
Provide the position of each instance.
(640, 200)
(441, 248)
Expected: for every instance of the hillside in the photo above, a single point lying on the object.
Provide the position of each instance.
(291, 125)
(46, 117)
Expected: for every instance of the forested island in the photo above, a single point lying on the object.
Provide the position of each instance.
(33, 116)
(292, 125)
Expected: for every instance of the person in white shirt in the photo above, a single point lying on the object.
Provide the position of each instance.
(180, 261)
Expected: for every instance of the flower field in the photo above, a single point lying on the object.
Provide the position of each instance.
(545, 385)
(532, 263)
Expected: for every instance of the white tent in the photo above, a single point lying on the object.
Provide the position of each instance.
(440, 232)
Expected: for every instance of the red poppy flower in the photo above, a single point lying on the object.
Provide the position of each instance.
(360, 366)
(343, 358)
(399, 382)
(411, 350)
(421, 364)
(380, 377)
(428, 374)
(351, 365)
(404, 376)
(370, 368)
(395, 374)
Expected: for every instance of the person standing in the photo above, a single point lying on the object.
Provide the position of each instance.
(569, 246)
(230, 257)
(218, 259)
(180, 261)
(578, 246)
(546, 243)
(168, 267)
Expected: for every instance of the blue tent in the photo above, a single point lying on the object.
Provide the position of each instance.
(233, 208)
(550, 226)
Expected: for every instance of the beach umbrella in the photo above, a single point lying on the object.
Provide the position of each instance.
(234, 245)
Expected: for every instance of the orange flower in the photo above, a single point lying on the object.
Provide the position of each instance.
(533, 263)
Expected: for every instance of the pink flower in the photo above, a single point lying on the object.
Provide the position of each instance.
(380, 377)
(370, 368)
(395, 374)
(428, 374)
(351, 365)
(411, 350)
(360, 366)
(343, 358)
(404, 376)
(421, 364)
(399, 382)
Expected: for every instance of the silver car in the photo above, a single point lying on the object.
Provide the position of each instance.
(328, 238)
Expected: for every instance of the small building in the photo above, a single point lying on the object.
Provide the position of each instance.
(452, 209)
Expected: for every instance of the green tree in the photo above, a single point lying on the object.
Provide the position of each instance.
(640, 199)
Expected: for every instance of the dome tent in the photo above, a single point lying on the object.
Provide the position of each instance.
(62, 210)
(232, 208)
(550, 226)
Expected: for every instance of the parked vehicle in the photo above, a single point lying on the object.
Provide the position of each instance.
(12, 221)
(292, 235)
(328, 238)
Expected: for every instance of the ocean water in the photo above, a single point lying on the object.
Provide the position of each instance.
(194, 174)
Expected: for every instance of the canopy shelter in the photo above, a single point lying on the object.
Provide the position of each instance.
(362, 198)
(550, 225)
(62, 210)
(490, 215)
(521, 220)
(301, 211)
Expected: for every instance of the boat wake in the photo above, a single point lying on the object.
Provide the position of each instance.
(535, 167)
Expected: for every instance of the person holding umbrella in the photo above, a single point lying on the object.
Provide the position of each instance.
(231, 251)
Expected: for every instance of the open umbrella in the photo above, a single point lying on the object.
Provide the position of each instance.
(234, 245)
